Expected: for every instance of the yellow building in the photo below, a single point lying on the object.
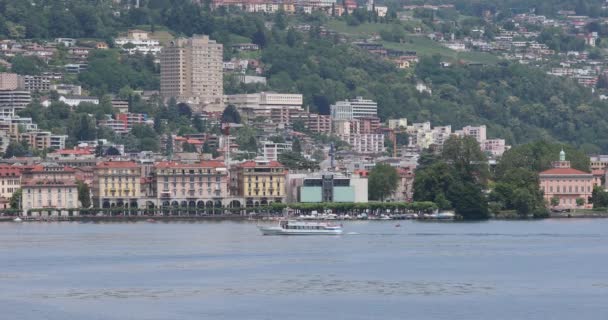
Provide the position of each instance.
(259, 182)
(10, 181)
(116, 184)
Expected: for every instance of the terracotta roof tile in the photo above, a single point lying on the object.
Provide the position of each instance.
(117, 164)
(563, 171)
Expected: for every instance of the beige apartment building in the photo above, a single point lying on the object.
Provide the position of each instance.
(49, 187)
(191, 72)
(199, 185)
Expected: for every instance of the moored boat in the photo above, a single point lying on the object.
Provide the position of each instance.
(292, 227)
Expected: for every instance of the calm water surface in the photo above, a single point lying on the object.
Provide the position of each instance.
(551, 269)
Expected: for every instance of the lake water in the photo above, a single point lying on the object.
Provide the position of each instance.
(550, 269)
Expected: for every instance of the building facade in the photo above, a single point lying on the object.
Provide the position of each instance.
(353, 109)
(259, 182)
(365, 143)
(116, 184)
(48, 186)
(333, 188)
(199, 185)
(191, 71)
(563, 186)
(10, 181)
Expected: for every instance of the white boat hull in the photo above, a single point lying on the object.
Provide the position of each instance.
(278, 231)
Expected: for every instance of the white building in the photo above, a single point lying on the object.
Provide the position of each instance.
(261, 104)
(365, 143)
(496, 147)
(397, 123)
(272, 150)
(354, 108)
(479, 133)
(73, 101)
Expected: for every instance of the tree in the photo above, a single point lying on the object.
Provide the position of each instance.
(112, 151)
(27, 65)
(299, 126)
(280, 20)
(554, 201)
(15, 149)
(296, 161)
(382, 182)
(99, 150)
(468, 200)
(580, 202)
(599, 197)
(15, 201)
(169, 146)
(184, 110)
(245, 138)
(466, 157)
(231, 115)
(432, 183)
(199, 124)
(296, 146)
(84, 194)
(537, 156)
(187, 147)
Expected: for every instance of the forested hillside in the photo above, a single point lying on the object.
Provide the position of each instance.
(517, 102)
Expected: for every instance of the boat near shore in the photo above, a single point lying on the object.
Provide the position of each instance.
(293, 227)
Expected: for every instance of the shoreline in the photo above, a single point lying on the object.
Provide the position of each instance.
(219, 218)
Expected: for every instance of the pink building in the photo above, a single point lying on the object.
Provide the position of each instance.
(566, 184)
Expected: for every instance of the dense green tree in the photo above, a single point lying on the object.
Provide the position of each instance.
(16, 149)
(296, 161)
(84, 194)
(15, 201)
(468, 200)
(187, 147)
(382, 181)
(296, 146)
(246, 139)
(599, 197)
(537, 156)
(465, 155)
(231, 115)
(112, 151)
(27, 65)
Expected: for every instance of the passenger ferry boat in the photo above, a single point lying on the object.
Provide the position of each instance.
(293, 227)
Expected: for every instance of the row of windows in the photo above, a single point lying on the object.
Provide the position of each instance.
(49, 190)
(263, 193)
(576, 189)
(185, 171)
(50, 203)
(192, 193)
(110, 193)
(11, 182)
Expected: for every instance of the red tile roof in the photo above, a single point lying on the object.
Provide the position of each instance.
(7, 171)
(202, 164)
(253, 164)
(74, 151)
(563, 171)
(117, 164)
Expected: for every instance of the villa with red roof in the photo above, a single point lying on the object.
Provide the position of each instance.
(566, 184)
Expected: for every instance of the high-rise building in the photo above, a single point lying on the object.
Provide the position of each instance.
(353, 109)
(191, 72)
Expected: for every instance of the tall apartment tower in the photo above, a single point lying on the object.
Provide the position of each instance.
(191, 72)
